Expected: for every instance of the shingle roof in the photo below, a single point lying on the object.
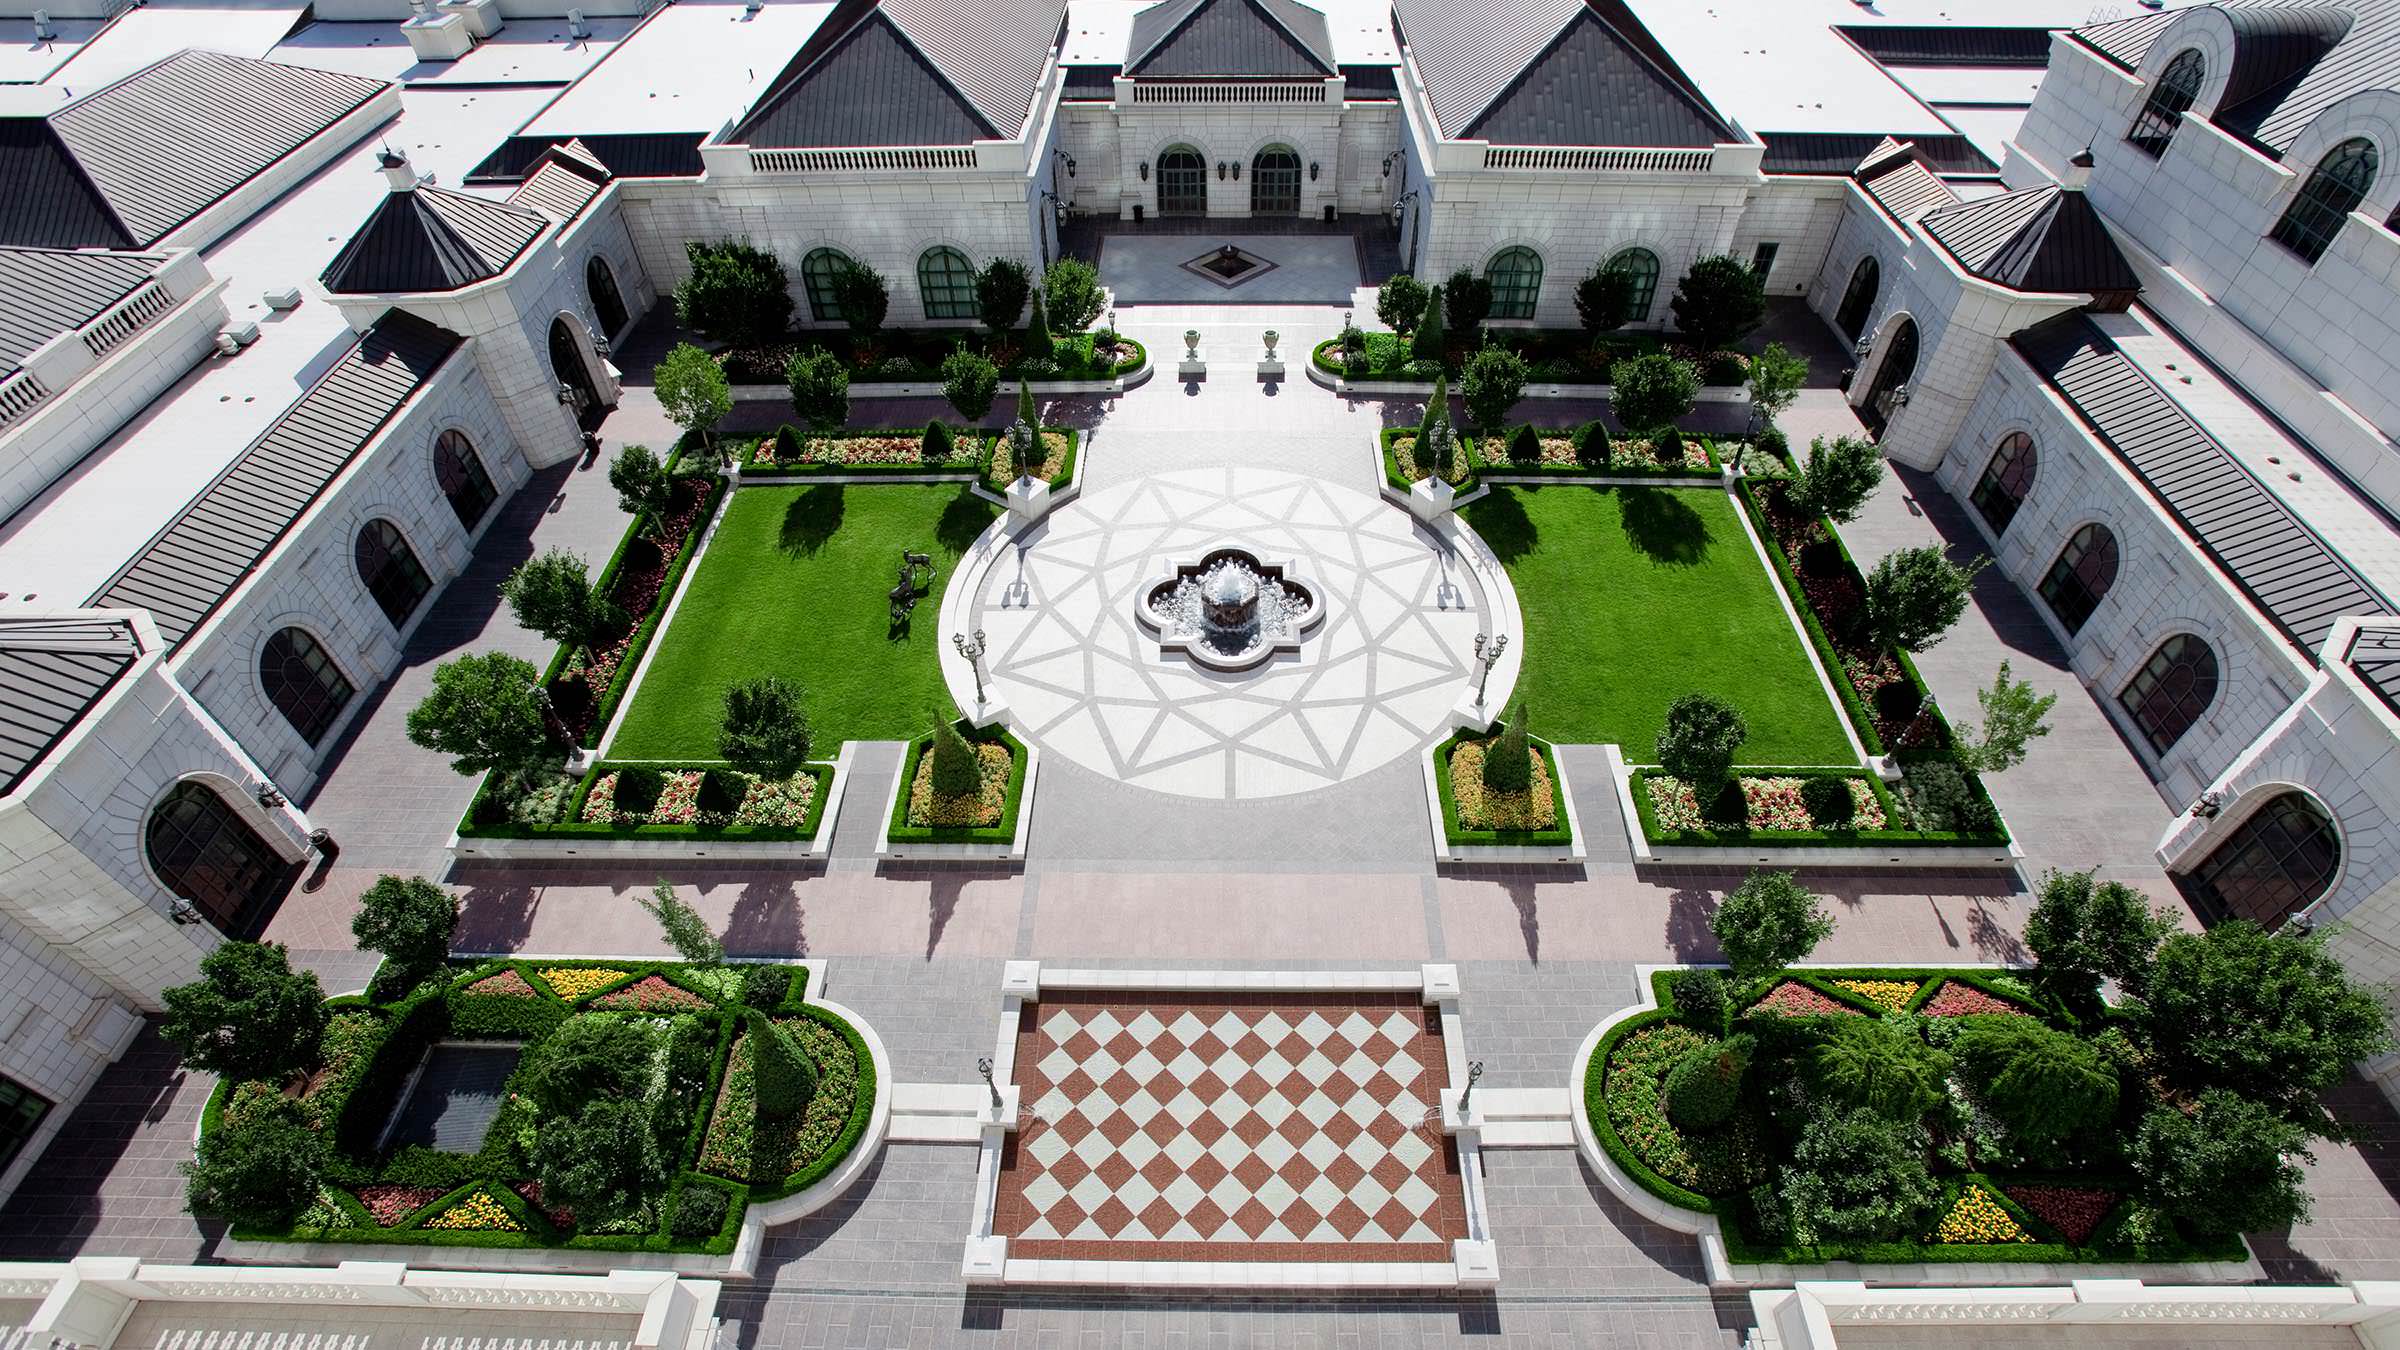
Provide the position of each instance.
(1553, 72)
(626, 154)
(52, 671)
(2045, 238)
(1252, 39)
(220, 538)
(909, 72)
(1838, 152)
(46, 292)
(2293, 59)
(563, 182)
(425, 240)
(2286, 568)
(123, 167)
(1942, 44)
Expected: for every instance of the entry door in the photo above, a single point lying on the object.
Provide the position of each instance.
(1899, 364)
(1182, 184)
(1275, 183)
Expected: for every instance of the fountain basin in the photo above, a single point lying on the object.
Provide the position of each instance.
(1228, 609)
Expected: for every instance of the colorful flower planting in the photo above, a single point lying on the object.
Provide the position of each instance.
(506, 984)
(1794, 999)
(480, 1212)
(651, 994)
(1893, 995)
(927, 807)
(1956, 998)
(739, 1145)
(1978, 1218)
(574, 982)
(682, 800)
(1636, 1077)
(1770, 803)
(388, 1205)
(1480, 808)
(2075, 1211)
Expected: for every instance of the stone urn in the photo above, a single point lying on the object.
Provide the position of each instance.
(1191, 344)
(1271, 336)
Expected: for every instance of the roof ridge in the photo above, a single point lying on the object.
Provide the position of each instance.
(910, 41)
(1508, 86)
(1674, 80)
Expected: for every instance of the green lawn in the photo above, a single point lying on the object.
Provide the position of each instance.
(1635, 596)
(794, 584)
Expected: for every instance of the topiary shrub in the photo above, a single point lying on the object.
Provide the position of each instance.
(1666, 444)
(1698, 743)
(1431, 341)
(957, 771)
(765, 987)
(2043, 1084)
(782, 1078)
(1829, 801)
(936, 446)
(699, 1210)
(1703, 1088)
(1768, 922)
(1592, 445)
(1508, 758)
(787, 444)
(638, 789)
(1525, 445)
(722, 791)
(1700, 999)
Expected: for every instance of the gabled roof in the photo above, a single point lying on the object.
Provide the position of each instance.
(2041, 239)
(2292, 59)
(1553, 72)
(625, 154)
(46, 292)
(52, 671)
(123, 167)
(1945, 44)
(1248, 39)
(909, 72)
(2375, 658)
(1839, 152)
(188, 569)
(563, 182)
(425, 240)
(1901, 183)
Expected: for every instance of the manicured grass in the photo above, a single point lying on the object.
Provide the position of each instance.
(794, 584)
(1635, 596)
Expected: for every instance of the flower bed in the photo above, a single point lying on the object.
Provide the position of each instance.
(1480, 808)
(1458, 782)
(915, 355)
(1978, 1217)
(573, 983)
(1794, 999)
(1058, 459)
(1958, 999)
(651, 994)
(1775, 812)
(1399, 461)
(920, 816)
(1628, 457)
(1553, 355)
(739, 808)
(793, 453)
(741, 1147)
(1890, 995)
(929, 809)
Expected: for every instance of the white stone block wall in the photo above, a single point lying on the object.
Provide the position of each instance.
(59, 1027)
(1800, 215)
(1228, 135)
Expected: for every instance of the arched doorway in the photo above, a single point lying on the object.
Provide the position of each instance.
(1182, 183)
(1886, 395)
(207, 854)
(607, 303)
(1275, 182)
(571, 370)
(2276, 863)
(1859, 301)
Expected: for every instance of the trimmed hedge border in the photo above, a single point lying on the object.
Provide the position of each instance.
(574, 827)
(1066, 465)
(1401, 482)
(1709, 477)
(1558, 835)
(1631, 345)
(966, 462)
(1004, 832)
(840, 341)
(1885, 838)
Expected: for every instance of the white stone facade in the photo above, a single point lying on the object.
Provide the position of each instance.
(62, 1026)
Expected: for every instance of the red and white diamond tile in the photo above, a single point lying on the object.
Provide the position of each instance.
(1230, 1127)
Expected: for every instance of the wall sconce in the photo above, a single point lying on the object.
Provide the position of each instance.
(181, 911)
(1899, 398)
(1388, 161)
(1144, 170)
(268, 797)
(600, 345)
(1237, 171)
(1860, 347)
(566, 394)
(2207, 805)
(1312, 171)
(1221, 170)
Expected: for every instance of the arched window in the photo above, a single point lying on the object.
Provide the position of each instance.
(2171, 690)
(1639, 266)
(817, 273)
(607, 302)
(2171, 96)
(458, 470)
(1859, 301)
(2005, 481)
(1275, 182)
(2334, 189)
(303, 683)
(1516, 277)
(1182, 182)
(209, 855)
(2279, 861)
(2081, 576)
(389, 567)
(947, 282)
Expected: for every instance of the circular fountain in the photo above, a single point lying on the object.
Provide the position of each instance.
(1228, 610)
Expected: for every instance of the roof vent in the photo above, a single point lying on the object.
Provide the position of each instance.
(42, 31)
(396, 168)
(576, 27)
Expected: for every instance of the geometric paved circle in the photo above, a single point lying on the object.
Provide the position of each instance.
(1375, 681)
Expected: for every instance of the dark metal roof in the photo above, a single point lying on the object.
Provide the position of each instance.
(1902, 185)
(50, 203)
(1554, 72)
(1086, 83)
(563, 182)
(1839, 152)
(2375, 657)
(1244, 39)
(52, 671)
(425, 240)
(960, 66)
(625, 154)
(1374, 83)
(2292, 60)
(46, 292)
(220, 538)
(2046, 238)
(2285, 567)
(1900, 44)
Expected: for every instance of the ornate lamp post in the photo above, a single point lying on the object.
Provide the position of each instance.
(1487, 652)
(972, 649)
(1474, 1072)
(984, 1067)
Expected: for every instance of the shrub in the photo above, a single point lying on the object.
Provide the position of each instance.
(699, 1210)
(1508, 757)
(765, 730)
(2272, 1016)
(787, 444)
(1651, 390)
(1038, 342)
(1767, 923)
(485, 712)
(1865, 1063)
(1466, 301)
(1355, 362)
(2082, 932)
(1698, 743)
(1431, 342)
(782, 1078)
(1718, 301)
(591, 1056)
(1601, 298)
(1422, 369)
(1401, 302)
(1941, 798)
(691, 387)
(645, 490)
(1830, 802)
(765, 986)
(1856, 1176)
(1667, 443)
(1076, 299)
(862, 295)
(1492, 381)
(1525, 445)
(1775, 379)
(1000, 292)
(551, 594)
(820, 387)
(602, 1162)
(1700, 999)
(1837, 478)
(409, 921)
(1591, 445)
(2044, 1085)
(249, 1015)
(1772, 441)
(2230, 1165)
(639, 788)
(721, 790)
(684, 929)
(957, 771)
(1706, 1084)
(1028, 411)
(735, 294)
(936, 446)
(2012, 715)
(970, 381)
(1914, 595)
(260, 1170)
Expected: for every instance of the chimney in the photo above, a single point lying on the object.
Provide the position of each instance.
(2079, 171)
(396, 168)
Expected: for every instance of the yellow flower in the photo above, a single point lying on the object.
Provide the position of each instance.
(573, 982)
(477, 1213)
(1978, 1218)
(1891, 994)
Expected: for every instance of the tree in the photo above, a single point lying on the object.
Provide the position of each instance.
(486, 712)
(1076, 299)
(1698, 743)
(1492, 381)
(1028, 411)
(1914, 595)
(260, 1171)
(249, 1015)
(1718, 301)
(585, 1060)
(1436, 438)
(1432, 341)
(2271, 1016)
(1400, 302)
(736, 295)
(551, 594)
(1038, 341)
(1856, 1176)
(1601, 298)
(1466, 301)
(782, 1078)
(686, 931)
(2229, 1166)
(1775, 379)
(2044, 1085)
(1705, 1085)
(1000, 292)
(1767, 923)
(409, 921)
(970, 381)
(645, 490)
(2081, 933)
(1836, 479)
(2012, 715)
(1700, 999)
(957, 769)
(820, 387)
(1651, 390)
(862, 295)
(1508, 757)
(765, 730)
(603, 1162)
(1865, 1063)
(691, 386)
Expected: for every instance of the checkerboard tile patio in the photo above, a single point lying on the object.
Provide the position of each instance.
(1230, 1128)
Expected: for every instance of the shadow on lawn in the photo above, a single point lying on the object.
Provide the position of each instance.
(1500, 518)
(1663, 526)
(811, 519)
(963, 521)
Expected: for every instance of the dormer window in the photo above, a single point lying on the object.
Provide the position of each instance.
(2334, 189)
(2171, 96)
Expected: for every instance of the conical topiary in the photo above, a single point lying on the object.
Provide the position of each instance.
(1525, 445)
(782, 1080)
(957, 770)
(1027, 412)
(1508, 758)
(1437, 415)
(1591, 445)
(1430, 342)
(937, 445)
(787, 444)
(1037, 330)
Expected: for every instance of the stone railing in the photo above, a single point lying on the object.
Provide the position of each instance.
(20, 394)
(1220, 92)
(1805, 1317)
(1597, 159)
(863, 159)
(120, 323)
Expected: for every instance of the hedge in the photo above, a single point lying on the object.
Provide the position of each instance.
(1559, 835)
(1398, 478)
(1505, 467)
(1740, 836)
(573, 826)
(1005, 832)
(964, 462)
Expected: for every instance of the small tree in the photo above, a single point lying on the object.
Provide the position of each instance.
(602, 1163)
(1508, 757)
(1435, 436)
(1601, 300)
(1856, 1176)
(588, 1059)
(2081, 933)
(735, 294)
(2271, 1016)
(957, 770)
(2045, 1085)
(685, 930)
(1698, 743)
(1865, 1063)
(1492, 381)
(1466, 302)
(1076, 299)
(408, 920)
(645, 490)
(1038, 341)
(551, 594)
(765, 730)
(486, 712)
(1914, 595)
(1353, 345)
(1651, 390)
(260, 1172)
(1700, 999)
(820, 387)
(1837, 478)
(2228, 1166)
(1400, 302)
(1703, 1088)
(691, 386)
(1767, 923)
(970, 381)
(1432, 341)
(249, 1015)
(2013, 714)
(783, 1078)
(862, 295)
(1000, 292)
(1718, 301)
(1028, 410)
(1775, 379)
